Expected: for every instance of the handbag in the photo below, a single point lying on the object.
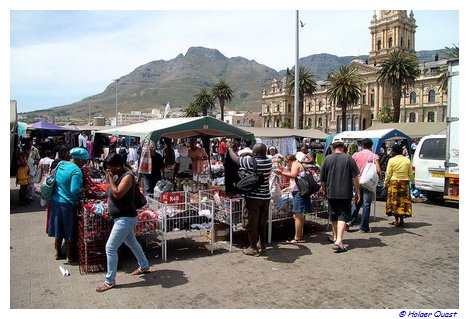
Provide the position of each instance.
(48, 186)
(139, 199)
(307, 184)
(369, 178)
(250, 181)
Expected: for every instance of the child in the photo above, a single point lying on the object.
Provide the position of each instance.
(22, 179)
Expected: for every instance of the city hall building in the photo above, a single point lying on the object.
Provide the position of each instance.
(423, 102)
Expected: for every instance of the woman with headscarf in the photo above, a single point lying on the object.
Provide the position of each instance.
(64, 202)
(398, 175)
(121, 194)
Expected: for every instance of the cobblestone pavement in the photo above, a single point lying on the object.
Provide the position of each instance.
(400, 268)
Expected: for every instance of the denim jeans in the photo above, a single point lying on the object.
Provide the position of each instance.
(365, 201)
(123, 231)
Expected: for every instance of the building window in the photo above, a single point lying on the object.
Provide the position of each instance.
(378, 45)
(390, 43)
(310, 122)
(267, 109)
(413, 98)
(412, 117)
(320, 104)
(289, 108)
(277, 123)
(277, 108)
(431, 117)
(309, 106)
(320, 122)
(372, 98)
(402, 41)
(357, 124)
(431, 96)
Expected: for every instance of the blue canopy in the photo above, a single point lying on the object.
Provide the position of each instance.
(377, 136)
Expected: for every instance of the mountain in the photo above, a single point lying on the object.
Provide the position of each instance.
(153, 84)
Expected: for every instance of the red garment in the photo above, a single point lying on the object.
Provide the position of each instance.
(222, 148)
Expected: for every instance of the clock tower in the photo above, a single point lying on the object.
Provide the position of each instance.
(391, 30)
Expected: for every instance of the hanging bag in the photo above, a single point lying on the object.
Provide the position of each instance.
(250, 181)
(48, 186)
(307, 185)
(369, 178)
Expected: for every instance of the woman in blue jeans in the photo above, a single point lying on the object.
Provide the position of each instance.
(121, 193)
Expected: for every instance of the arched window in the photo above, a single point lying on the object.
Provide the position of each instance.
(412, 117)
(310, 122)
(378, 45)
(309, 106)
(413, 98)
(431, 96)
(390, 43)
(431, 117)
(277, 123)
(320, 122)
(320, 104)
(289, 108)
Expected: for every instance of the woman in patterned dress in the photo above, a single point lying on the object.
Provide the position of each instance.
(398, 175)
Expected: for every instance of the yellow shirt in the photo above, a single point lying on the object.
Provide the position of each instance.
(22, 177)
(399, 168)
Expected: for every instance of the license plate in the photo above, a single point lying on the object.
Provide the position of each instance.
(438, 174)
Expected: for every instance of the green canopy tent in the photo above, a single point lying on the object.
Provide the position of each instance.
(175, 128)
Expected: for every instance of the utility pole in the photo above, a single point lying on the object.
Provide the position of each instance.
(297, 75)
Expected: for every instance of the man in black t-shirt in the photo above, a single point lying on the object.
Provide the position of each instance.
(339, 177)
(157, 165)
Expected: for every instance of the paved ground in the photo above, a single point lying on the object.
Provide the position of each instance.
(401, 268)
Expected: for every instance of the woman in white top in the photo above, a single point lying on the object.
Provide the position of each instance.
(301, 205)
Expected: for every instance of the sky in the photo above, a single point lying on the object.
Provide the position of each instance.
(62, 56)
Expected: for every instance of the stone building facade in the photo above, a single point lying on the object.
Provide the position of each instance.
(424, 102)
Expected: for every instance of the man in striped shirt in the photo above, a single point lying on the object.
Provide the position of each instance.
(256, 210)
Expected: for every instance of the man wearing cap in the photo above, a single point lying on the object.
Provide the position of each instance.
(339, 176)
(362, 158)
(64, 203)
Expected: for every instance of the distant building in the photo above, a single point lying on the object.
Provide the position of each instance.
(247, 119)
(424, 102)
(138, 117)
(99, 121)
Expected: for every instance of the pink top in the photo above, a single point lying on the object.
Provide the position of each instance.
(293, 186)
(363, 157)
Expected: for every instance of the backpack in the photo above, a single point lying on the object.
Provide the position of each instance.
(307, 184)
(250, 181)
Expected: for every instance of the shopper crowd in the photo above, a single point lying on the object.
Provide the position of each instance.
(125, 162)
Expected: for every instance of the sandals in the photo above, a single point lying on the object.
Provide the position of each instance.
(139, 271)
(251, 252)
(104, 287)
(294, 241)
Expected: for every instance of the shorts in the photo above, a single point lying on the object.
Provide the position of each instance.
(255, 213)
(339, 209)
(301, 204)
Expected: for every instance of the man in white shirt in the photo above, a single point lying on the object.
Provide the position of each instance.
(82, 139)
(246, 151)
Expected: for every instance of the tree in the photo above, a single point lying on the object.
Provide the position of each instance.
(344, 89)
(204, 101)
(307, 86)
(398, 71)
(385, 114)
(450, 53)
(223, 92)
(192, 110)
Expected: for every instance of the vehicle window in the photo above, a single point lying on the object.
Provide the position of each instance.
(434, 148)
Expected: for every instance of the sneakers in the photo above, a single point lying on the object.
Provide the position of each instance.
(104, 287)
(364, 231)
(251, 252)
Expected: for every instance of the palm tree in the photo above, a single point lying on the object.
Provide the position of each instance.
(204, 101)
(192, 110)
(450, 53)
(223, 92)
(307, 86)
(344, 89)
(398, 70)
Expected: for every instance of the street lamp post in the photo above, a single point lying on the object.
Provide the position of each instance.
(117, 85)
(297, 75)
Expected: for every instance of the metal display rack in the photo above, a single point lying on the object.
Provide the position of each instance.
(226, 210)
(181, 217)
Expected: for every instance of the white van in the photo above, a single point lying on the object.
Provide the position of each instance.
(429, 163)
